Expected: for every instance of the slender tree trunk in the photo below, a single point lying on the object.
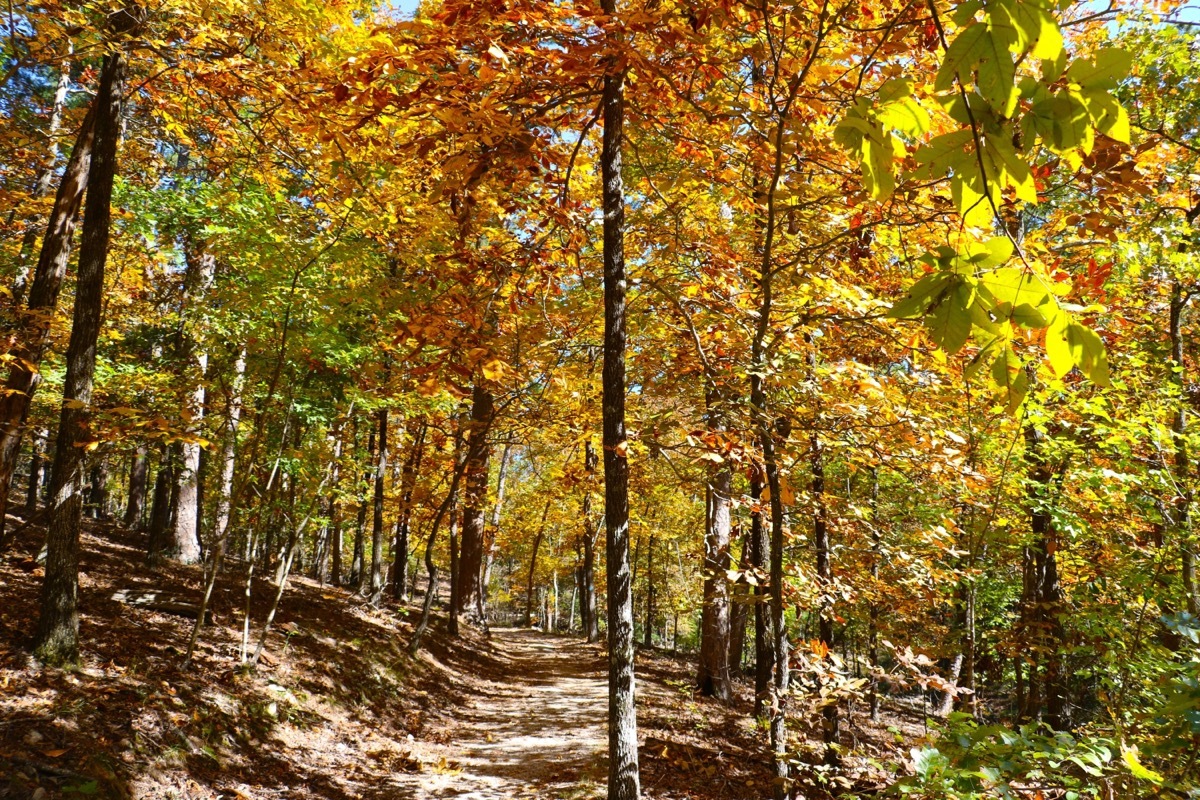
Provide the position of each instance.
(624, 782)
(377, 582)
(358, 573)
(57, 640)
(831, 714)
(97, 501)
(873, 609)
(470, 567)
(460, 465)
(588, 610)
(739, 608)
(1047, 594)
(34, 333)
(764, 644)
(1183, 467)
(233, 417)
(648, 631)
(490, 536)
(335, 511)
(138, 484)
(408, 482)
(36, 468)
(41, 186)
(160, 511)
(537, 544)
(713, 673)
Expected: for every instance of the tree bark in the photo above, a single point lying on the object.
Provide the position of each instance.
(624, 782)
(408, 482)
(34, 331)
(57, 640)
(377, 582)
(37, 465)
(138, 484)
(470, 565)
(160, 510)
(537, 544)
(233, 417)
(1183, 468)
(713, 674)
(41, 185)
(587, 602)
(831, 714)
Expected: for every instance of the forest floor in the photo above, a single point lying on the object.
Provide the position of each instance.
(337, 708)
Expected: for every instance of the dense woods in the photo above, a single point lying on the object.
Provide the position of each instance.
(842, 352)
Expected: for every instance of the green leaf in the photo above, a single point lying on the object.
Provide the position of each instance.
(949, 322)
(917, 300)
(1130, 756)
(1108, 66)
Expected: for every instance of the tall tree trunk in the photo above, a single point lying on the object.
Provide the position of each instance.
(537, 544)
(358, 574)
(57, 640)
(408, 482)
(713, 674)
(201, 268)
(624, 782)
(34, 334)
(1183, 467)
(739, 607)
(377, 582)
(831, 729)
(37, 465)
(1046, 591)
(138, 484)
(764, 643)
(587, 603)
(97, 501)
(470, 565)
(41, 185)
(160, 511)
(335, 512)
(489, 557)
(873, 609)
(233, 417)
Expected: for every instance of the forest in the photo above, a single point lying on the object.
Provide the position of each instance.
(599, 398)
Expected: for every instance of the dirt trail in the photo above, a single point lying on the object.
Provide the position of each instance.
(536, 728)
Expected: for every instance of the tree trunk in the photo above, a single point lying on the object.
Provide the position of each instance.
(623, 778)
(34, 334)
(470, 565)
(739, 607)
(233, 417)
(537, 544)
(377, 583)
(1183, 468)
(1046, 592)
(160, 511)
(335, 511)
(713, 673)
(138, 483)
(489, 557)
(587, 603)
(97, 501)
(873, 609)
(57, 640)
(648, 631)
(408, 482)
(358, 574)
(831, 728)
(37, 465)
(41, 185)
